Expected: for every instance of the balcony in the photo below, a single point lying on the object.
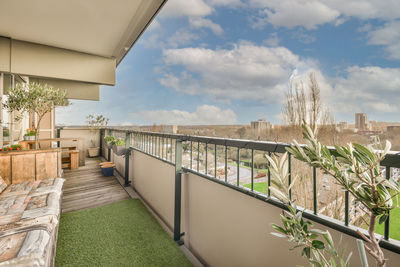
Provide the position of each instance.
(174, 199)
(220, 215)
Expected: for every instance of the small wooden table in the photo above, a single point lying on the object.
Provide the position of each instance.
(72, 161)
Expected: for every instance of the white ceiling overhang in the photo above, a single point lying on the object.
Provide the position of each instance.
(73, 30)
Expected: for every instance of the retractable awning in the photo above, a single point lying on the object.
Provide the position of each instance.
(71, 40)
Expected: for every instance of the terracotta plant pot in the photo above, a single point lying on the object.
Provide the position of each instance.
(93, 152)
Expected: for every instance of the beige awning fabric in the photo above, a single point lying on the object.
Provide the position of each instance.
(31, 59)
(77, 41)
(97, 27)
(75, 90)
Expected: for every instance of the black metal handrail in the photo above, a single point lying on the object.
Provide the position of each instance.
(156, 145)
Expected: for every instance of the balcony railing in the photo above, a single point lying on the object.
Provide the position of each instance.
(169, 148)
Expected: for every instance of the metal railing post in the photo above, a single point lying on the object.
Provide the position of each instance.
(101, 142)
(109, 148)
(127, 154)
(387, 222)
(178, 192)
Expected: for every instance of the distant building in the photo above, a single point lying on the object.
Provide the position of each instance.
(361, 122)
(260, 127)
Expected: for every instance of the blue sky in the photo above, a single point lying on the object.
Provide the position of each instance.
(230, 61)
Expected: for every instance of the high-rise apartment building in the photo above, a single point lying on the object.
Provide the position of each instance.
(361, 121)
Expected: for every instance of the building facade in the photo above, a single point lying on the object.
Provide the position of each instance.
(361, 121)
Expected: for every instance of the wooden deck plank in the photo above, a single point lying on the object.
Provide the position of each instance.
(86, 187)
(80, 187)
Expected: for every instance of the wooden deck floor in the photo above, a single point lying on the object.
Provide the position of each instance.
(86, 187)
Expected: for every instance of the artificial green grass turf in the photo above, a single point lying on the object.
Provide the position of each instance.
(394, 230)
(119, 234)
(259, 187)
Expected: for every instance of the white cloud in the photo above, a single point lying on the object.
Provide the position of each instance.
(245, 71)
(388, 36)
(273, 40)
(180, 8)
(155, 25)
(303, 37)
(260, 73)
(230, 3)
(311, 13)
(152, 41)
(181, 37)
(366, 9)
(206, 23)
(308, 14)
(367, 88)
(382, 107)
(205, 114)
(196, 8)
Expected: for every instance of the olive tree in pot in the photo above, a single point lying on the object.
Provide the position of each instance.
(356, 168)
(95, 123)
(35, 98)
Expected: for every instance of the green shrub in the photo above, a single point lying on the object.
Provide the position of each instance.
(118, 142)
(109, 139)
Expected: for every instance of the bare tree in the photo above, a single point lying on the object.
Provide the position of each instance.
(305, 104)
(301, 104)
(315, 101)
(289, 112)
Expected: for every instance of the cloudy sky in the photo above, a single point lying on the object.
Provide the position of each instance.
(229, 61)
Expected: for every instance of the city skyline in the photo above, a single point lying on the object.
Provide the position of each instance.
(229, 62)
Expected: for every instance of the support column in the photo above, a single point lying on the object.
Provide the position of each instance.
(128, 153)
(178, 193)
(101, 141)
(11, 116)
(109, 149)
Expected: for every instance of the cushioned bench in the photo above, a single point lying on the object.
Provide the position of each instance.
(29, 218)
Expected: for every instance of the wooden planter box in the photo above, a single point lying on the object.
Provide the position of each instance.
(30, 165)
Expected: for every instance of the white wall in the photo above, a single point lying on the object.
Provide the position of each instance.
(85, 133)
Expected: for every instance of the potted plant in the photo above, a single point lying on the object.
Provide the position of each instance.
(109, 140)
(357, 169)
(30, 135)
(11, 148)
(118, 146)
(35, 98)
(95, 123)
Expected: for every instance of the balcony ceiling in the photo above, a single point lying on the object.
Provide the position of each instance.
(100, 27)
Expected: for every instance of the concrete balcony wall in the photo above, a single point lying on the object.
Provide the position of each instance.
(154, 180)
(82, 132)
(119, 162)
(223, 227)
